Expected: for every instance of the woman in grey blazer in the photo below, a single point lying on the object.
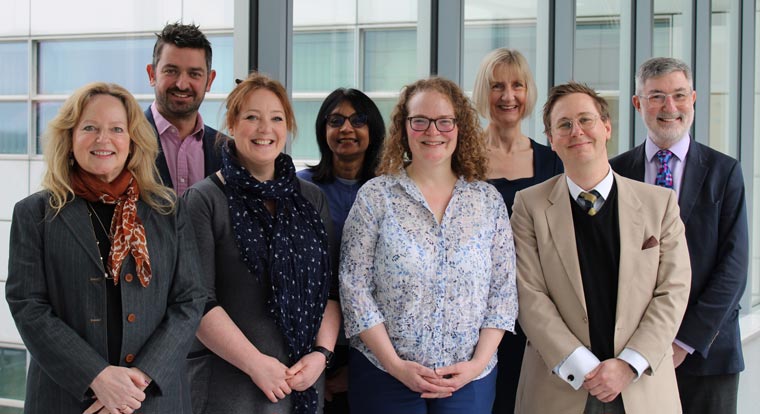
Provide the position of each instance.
(269, 325)
(103, 271)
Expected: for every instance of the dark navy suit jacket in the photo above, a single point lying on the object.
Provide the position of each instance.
(212, 160)
(713, 209)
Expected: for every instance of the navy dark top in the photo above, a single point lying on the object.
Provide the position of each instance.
(546, 164)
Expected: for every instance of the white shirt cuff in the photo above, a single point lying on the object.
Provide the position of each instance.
(574, 368)
(636, 360)
(685, 347)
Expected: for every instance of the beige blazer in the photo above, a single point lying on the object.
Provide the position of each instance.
(653, 290)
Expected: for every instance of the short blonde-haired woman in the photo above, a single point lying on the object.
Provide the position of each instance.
(427, 264)
(103, 272)
(505, 94)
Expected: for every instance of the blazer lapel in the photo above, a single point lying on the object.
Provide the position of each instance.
(635, 169)
(76, 218)
(631, 226)
(694, 175)
(163, 167)
(560, 219)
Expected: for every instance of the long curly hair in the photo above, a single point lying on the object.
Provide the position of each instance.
(58, 152)
(469, 159)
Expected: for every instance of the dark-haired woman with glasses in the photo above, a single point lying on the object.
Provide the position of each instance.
(350, 132)
(427, 274)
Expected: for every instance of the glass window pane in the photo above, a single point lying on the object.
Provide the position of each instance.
(13, 369)
(323, 61)
(671, 23)
(597, 55)
(390, 59)
(304, 146)
(65, 65)
(14, 124)
(212, 112)
(11, 410)
(387, 11)
(323, 12)
(46, 111)
(481, 39)
(487, 28)
(722, 74)
(14, 65)
(222, 62)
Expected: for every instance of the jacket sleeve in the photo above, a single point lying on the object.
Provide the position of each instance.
(659, 323)
(728, 278)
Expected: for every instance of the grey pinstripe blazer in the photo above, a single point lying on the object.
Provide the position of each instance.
(56, 292)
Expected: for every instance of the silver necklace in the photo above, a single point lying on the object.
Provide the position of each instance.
(92, 212)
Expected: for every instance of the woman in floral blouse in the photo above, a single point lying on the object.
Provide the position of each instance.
(427, 274)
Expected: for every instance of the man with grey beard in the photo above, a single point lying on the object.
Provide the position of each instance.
(707, 351)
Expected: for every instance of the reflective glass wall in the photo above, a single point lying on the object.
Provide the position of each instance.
(48, 48)
(597, 56)
(490, 24)
(362, 44)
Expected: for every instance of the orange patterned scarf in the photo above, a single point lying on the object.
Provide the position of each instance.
(127, 229)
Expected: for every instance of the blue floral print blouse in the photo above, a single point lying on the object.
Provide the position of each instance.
(433, 285)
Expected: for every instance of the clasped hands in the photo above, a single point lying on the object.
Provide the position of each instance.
(608, 379)
(435, 382)
(276, 380)
(118, 390)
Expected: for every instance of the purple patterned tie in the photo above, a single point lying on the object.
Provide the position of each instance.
(664, 176)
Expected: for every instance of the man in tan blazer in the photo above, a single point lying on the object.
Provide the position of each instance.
(603, 275)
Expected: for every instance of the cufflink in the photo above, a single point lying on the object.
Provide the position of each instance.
(571, 377)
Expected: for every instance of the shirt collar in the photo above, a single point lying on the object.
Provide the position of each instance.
(603, 188)
(162, 124)
(679, 149)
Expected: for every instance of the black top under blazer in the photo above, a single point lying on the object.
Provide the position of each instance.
(57, 295)
(714, 211)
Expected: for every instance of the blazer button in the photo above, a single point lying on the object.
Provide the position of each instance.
(129, 358)
(585, 319)
(131, 318)
(129, 278)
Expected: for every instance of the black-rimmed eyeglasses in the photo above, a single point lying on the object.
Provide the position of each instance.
(421, 123)
(337, 120)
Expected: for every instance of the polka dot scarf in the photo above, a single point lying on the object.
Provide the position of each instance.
(127, 232)
(287, 251)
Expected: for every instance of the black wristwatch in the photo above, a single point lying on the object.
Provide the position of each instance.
(324, 351)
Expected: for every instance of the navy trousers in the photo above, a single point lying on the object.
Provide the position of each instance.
(372, 390)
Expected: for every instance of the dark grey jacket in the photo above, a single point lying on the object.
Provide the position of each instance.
(56, 292)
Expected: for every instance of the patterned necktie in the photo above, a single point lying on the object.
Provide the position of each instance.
(587, 201)
(664, 175)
